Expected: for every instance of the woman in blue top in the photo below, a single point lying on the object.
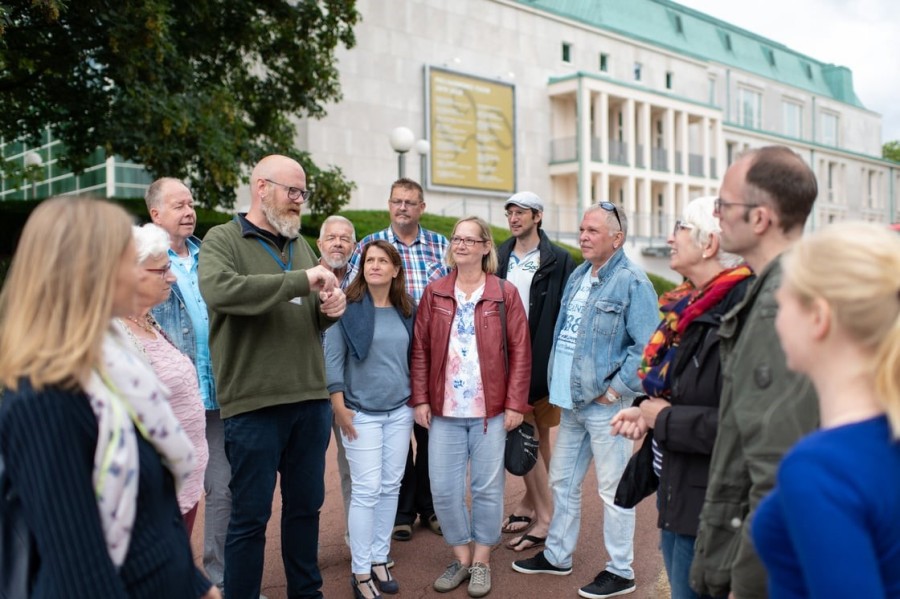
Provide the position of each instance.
(367, 364)
(831, 526)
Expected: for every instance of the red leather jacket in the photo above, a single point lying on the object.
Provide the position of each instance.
(503, 388)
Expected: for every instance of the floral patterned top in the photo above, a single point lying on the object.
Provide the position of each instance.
(463, 389)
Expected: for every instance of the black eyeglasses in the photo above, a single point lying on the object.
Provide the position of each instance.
(720, 203)
(161, 271)
(610, 207)
(466, 241)
(293, 193)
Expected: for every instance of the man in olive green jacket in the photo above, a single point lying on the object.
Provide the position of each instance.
(269, 302)
(765, 198)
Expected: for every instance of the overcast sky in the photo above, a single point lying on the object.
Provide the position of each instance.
(863, 35)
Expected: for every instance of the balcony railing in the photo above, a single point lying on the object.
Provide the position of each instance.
(563, 149)
(695, 165)
(659, 159)
(595, 150)
(618, 152)
(678, 168)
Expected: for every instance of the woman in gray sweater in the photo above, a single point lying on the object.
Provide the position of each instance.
(367, 367)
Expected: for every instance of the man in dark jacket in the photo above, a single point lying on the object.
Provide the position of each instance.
(765, 199)
(539, 270)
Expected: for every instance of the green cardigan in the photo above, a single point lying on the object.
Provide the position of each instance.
(264, 325)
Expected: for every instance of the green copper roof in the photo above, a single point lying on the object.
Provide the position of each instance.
(678, 28)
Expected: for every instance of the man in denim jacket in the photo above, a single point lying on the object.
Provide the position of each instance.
(608, 313)
(184, 319)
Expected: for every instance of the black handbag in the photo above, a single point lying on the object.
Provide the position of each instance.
(521, 450)
(638, 481)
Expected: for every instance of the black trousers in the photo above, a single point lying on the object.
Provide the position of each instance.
(415, 488)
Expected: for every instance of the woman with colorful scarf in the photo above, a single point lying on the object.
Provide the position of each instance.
(682, 378)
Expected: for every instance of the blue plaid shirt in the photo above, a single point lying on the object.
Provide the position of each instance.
(423, 260)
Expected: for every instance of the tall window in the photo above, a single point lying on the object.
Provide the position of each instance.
(749, 108)
(566, 52)
(604, 62)
(669, 76)
(638, 67)
(829, 129)
(792, 119)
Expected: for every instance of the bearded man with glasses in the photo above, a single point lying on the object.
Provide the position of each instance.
(269, 302)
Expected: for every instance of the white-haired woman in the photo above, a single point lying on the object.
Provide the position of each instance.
(89, 444)
(172, 367)
(681, 375)
(831, 527)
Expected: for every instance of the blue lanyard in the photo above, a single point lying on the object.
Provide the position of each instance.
(290, 262)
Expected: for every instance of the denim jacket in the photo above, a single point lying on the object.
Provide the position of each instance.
(172, 316)
(621, 315)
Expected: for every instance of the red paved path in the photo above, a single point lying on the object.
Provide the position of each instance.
(424, 558)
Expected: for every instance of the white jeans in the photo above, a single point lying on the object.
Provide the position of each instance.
(377, 458)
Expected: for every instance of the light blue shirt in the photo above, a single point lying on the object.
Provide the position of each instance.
(185, 269)
(560, 386)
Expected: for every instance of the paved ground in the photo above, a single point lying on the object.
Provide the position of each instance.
(424, 558)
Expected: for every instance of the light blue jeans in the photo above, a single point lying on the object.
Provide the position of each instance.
(218, 500)
(377, 458)
(584, 435)
(453, 444)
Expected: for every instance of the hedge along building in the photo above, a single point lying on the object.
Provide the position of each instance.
(643, 102)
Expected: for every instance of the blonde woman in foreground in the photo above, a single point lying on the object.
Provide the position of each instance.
(89, 442)
(831, 526)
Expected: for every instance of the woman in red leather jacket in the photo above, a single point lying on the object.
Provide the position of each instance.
(471, 371)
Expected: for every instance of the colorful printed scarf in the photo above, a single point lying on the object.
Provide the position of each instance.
(682, 306)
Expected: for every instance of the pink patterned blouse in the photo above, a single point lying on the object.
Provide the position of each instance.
(177, 372)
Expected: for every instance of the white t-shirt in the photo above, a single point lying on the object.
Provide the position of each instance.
(520, 272)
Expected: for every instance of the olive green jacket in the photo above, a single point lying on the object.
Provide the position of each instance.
(265, 325)
(764, 410)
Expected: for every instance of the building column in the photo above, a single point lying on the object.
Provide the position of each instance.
(705, 149)
(583, 126)
(646, 137)
(630, 134)
(670, 140)
(604, 132)
(685, 145)
(722, 158)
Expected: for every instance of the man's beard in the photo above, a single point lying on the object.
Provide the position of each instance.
(335, 264)
(281, 220)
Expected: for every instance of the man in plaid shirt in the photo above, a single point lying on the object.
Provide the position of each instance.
(422, 252)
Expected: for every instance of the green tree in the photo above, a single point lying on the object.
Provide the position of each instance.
(891, 151)
(195, 89)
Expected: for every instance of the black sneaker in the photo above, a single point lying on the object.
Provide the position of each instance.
(539, 565)
(607, 584)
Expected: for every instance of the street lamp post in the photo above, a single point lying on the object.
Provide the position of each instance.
(423, 147)
(402, 139)
(33, 162)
